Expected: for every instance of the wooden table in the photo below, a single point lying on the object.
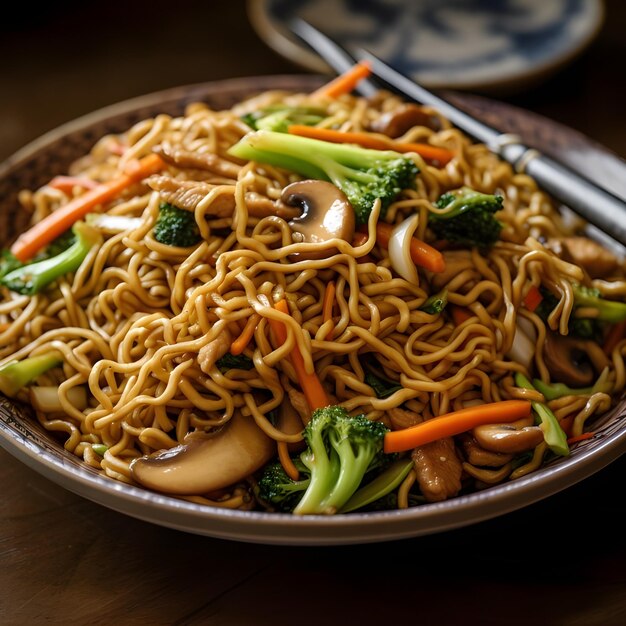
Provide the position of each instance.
(66, 560)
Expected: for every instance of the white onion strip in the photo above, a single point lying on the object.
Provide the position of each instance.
(400, 249)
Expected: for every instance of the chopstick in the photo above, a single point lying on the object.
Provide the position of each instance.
(596, 205)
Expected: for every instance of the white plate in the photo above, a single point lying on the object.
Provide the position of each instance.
(460, 44)
(22, 437)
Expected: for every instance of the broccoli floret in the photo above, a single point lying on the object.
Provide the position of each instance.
(362, 174)
(31, 278)
(17, 374)
(8, 262)
(608, 310)
(176, 227)
(280, 116)
(341, 451)
(470, 220)
(283, 493)
(231, 361)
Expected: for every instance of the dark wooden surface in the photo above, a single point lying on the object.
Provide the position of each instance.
(65, 560)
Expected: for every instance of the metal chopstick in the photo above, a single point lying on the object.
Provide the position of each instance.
(598, 206)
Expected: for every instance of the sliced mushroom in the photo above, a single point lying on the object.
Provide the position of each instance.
(206, 462)
(570, 360)
(401, 119)
(508, 438)
(326, 214)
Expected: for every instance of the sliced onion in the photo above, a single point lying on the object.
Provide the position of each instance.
(46, 399)
(113, 224)
(400, 249)
(522, 349)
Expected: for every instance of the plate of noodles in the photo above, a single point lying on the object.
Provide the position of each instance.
(271, 311)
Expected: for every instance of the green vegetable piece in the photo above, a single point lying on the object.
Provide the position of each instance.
(341, 451)
(380, 486)
(585, 328)
(17, 374)
(383, 387)
(553, 391)
(32, 278)
(470, 220)
(279, 117)
(362, 174)
(8, 262)
(552, 431)
(176, 227)
(436, 303)
(608, 310)
(99, 448)
(283, 493)
(231, 361)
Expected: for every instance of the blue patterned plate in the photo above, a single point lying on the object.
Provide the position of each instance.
(461, 44)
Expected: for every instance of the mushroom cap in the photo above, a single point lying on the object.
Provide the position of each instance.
(509, 438)
(205, 463)
(326, 214)
(559, 355)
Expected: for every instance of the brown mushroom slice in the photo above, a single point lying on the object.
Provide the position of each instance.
(326, 214)
(401, 119)
(205, 463)
(507, 438)
(563, 358)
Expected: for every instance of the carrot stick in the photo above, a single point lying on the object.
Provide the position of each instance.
(460, 314)
(327, 306)
(344, 83)
(310, 384)
(533, 298)
(239, 345)
(421, 253)
(43, 232)
(455, 423)
(432, 154)
(614, 336)
(67, 183)
(582, 437)
(285, 460)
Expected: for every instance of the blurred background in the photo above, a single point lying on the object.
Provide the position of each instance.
(68, 58)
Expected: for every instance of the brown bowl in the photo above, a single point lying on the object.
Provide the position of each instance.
(21, 435)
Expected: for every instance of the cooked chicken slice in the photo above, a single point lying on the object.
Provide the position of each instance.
(208, 355)
(199, 160)
(186, 194)
(438, 469)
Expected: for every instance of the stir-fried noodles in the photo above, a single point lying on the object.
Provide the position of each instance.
(168, 331)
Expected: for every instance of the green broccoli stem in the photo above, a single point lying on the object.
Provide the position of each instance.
(608, 310)
(324, 468)
(17, 374)
(552, 431)
(363, 175)
(33, 277)
(378, 488)
(352, 469)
